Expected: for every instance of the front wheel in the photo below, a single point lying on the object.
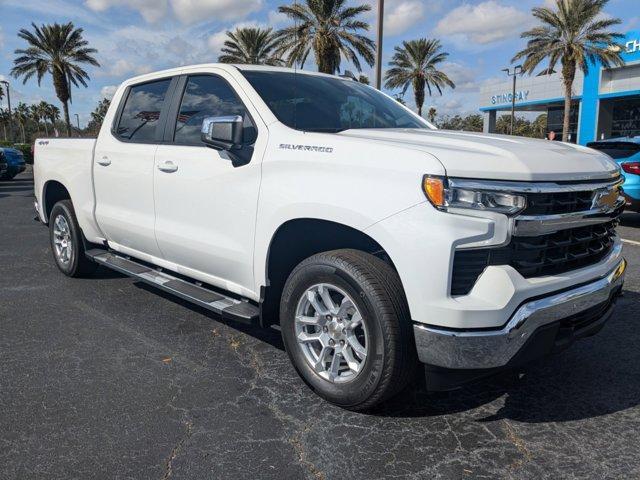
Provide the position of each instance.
(346, 327)
(66, 241)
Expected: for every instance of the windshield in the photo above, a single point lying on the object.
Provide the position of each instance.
(328, 104)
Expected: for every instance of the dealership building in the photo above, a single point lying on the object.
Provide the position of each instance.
(606, 102)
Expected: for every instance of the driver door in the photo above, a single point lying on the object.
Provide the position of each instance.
(205, 207)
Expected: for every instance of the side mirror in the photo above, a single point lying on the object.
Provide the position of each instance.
(223, 133)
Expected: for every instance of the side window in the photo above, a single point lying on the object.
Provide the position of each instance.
(141, 112)
(208, 96)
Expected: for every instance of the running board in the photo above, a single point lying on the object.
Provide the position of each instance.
(228, 307)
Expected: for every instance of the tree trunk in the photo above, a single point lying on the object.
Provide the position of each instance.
(46, 129)
(418, 93)
(67, 121)
(568, 75)
(22, 129)
(62, 87)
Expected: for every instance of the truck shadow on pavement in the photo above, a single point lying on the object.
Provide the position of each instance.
(270, 336)
(596, 376)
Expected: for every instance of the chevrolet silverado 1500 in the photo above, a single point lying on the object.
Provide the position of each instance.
(377, 242)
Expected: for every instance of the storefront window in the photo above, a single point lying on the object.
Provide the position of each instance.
(555, 119)
(626, 118)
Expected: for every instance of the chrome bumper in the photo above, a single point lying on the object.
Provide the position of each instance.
(495, 348)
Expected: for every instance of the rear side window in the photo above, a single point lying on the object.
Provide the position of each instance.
(208, 96)
(616, 150)
(140, 116)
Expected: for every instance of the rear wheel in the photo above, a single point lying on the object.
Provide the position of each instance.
(346, 327)
(66, 241)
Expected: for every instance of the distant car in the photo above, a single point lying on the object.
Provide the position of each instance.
(3, 164)
(15, 162)
(626, 152)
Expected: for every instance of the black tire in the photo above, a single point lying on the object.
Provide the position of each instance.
(375, 288)
(78, 264)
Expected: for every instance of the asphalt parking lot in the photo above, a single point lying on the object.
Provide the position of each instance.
(105, 378)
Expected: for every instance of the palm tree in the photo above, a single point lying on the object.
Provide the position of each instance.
(4, 120)
(43, 114)
(575, 34)
(330, 29)
(34, 113)
(250, 45)
(53, 114)
(59, 50)
(431, 115)
(21, 114)
(415, 64)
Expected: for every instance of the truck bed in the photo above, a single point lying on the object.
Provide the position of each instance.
(68, 161)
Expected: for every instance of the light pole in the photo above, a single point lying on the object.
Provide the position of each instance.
(6, 84)
(379, 45)
(78, 122)
(516, 70)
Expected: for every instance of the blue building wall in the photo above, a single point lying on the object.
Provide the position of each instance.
(591, 93)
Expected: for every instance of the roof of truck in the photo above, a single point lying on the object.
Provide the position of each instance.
(224, 66)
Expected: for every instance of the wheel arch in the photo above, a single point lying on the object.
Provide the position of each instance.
(300, 238)
(52, 192)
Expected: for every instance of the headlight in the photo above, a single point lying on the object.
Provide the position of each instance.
(445, 195)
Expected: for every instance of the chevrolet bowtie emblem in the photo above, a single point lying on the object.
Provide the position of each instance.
(606, 200)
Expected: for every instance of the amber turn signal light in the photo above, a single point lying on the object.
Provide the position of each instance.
(434, 190)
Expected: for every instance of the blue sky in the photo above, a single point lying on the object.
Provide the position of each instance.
(138, 36)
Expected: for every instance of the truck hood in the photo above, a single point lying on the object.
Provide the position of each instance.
(477, 155)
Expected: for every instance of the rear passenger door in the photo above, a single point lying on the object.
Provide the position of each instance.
(205, 206)
(124, 167)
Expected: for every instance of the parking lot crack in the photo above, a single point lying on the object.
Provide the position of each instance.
(520, 446)
(168, 464)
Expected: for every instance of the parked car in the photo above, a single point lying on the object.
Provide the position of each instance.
(626, 152)
(3, 164)
(15, 162)
(376, 241)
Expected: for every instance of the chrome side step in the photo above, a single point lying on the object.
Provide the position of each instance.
(228, 307)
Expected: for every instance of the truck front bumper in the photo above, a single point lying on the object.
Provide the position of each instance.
(548, 322)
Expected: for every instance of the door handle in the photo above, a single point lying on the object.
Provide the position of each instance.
(168, 167)
(104, 161)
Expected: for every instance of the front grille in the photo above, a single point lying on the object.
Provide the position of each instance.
(549, 254)
(558, 202)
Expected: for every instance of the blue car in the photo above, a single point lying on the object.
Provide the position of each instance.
(626, 152)
(15, 162)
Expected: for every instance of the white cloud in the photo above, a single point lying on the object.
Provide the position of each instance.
(186, 11)
(276, 19)
(124, 67)
(216, 41)
(151, 10)
(192, 11)
(484, 23)
(108, 91)
(402, 16)
(465, 78)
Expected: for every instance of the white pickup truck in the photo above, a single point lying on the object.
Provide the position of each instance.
(376, 242)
